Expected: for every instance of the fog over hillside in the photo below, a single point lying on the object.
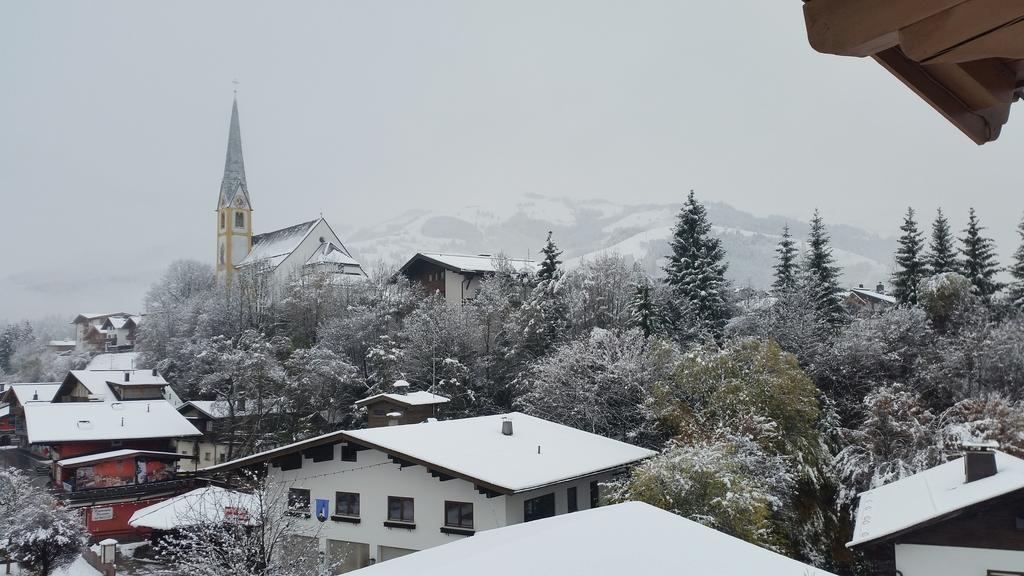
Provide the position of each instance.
(584, 229)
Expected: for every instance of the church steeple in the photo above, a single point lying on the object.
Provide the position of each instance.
(234, 211)
(233, 182)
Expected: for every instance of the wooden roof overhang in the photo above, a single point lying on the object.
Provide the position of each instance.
(963, 57)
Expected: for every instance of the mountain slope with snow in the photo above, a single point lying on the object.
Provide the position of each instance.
(586, 229)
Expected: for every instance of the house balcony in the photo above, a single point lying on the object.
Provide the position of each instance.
(128, 491)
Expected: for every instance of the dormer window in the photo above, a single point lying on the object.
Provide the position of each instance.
(239, 220)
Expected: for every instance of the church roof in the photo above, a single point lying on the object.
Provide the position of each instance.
(331, 253)
(234, 167)
(274, 247)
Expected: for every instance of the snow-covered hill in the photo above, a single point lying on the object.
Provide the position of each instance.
(585, 229)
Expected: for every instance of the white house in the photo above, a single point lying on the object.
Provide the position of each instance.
(457, 276)
(380, 493)
(960, 518)
(627, 538)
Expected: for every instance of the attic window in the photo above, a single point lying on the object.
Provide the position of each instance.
(239, 219)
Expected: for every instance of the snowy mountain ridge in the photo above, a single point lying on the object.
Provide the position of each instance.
(584, 229)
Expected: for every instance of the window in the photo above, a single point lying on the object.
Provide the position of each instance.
(539, 507)
(400, 509)
(346, 504)
(595, 494)
(206, 456)
(239, 220)
(573, 503)
(458, 514)
(298, 500)
(221, 220)
(222, 457)
(349, 453)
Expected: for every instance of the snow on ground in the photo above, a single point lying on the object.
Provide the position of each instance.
(77, 568)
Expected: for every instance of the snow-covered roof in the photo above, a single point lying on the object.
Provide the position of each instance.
(202, 505)
(627, 538)
(98, 381)
(538, 452)
(45, 391)
(114, 455)
(212, 408)
(331, 253)
(479, 264)
(872, 295)
(87, 316)
(114, 361)
(274, 247)
(5, 410)
(418, 398)
(85, 421)
(117, 322)
(61, 343)
(929, 495)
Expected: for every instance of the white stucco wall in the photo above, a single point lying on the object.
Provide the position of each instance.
(374, 477)
(293, 263)
(188, 446)
(457, 289)
(921, 560)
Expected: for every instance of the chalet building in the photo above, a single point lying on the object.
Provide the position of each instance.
(627, 538)
(457, 276)
(14, 398)
(106, 332)
(962, 517)
(404, 407)
(109, 436)
(861, 301)
(278, 255)
(380, 493)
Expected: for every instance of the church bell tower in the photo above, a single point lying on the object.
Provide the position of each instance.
(234, 211)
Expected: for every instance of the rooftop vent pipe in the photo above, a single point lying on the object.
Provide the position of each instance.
(979, 460)
(506, 427)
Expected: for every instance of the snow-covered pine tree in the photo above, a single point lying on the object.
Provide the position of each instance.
(910, 268)
(822, 273)
(1017, 272)
(549, 266)
(786, 268)
(643, 314)
(941, 253)
(695, 272)
(979, 259)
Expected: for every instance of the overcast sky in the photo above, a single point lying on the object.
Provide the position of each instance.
(114, 116)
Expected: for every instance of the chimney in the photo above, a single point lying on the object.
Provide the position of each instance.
(35, 395)
(154, 371)
(979, 461)
(506, 427)
(860, 285)
(880, 288)
(127, 376)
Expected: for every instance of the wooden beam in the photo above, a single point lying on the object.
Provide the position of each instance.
(914, 75)
(973, 30)
(864, 27)
(978, 85)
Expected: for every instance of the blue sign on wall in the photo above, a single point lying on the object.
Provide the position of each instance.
(323, 509)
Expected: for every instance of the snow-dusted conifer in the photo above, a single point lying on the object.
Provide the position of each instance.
(549, 265)
(642, 310)
(1016, 292)
(821, 272)
(941, 252)
(910, 268)
(696, 274)
(979, 259)
(786, 267)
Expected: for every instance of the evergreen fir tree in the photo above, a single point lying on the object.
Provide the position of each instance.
(941, 253)
(979, 259)
(910, 268)
(785, 265)
(642, 311)
(821, 272)
(1017, 272)
(695, 273)
(549, 266)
